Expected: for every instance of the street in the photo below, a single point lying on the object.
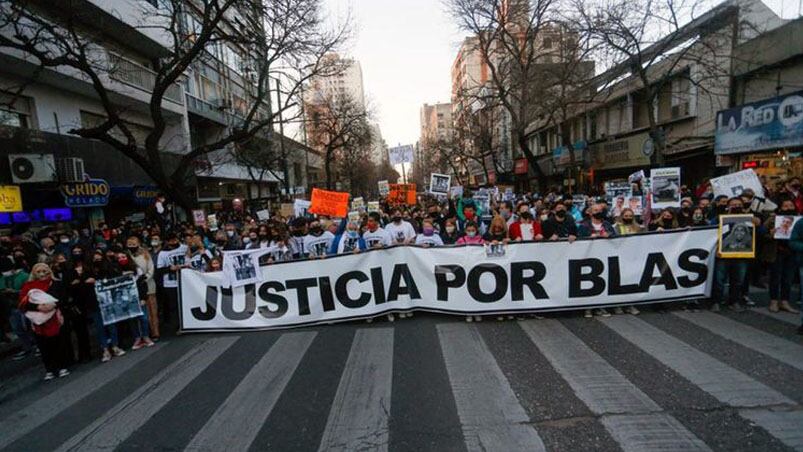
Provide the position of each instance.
(677, 380)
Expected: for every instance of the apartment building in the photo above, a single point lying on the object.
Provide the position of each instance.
(608, 136)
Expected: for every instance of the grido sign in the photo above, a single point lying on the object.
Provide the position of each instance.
(87, 193)
(528, 277)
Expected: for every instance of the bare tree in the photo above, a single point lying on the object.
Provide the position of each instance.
(338, 126)
(283, 39)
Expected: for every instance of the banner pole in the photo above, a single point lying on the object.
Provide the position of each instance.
(404, 173)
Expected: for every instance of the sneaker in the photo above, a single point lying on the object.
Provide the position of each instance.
(478, 318)
(138, 344)
(106, 356)
(510, 317)
(20, 355)
(37, 352)
(773, 307)
(63, 373)
(49, 376)
(469, 319)
(715, 307)
(500, 318)
(587, 314)
(748, 301)
(391, 317)
(618, 310)
(148, 342)
(117, 351)
(602, 312)
(632, 310)
(736, 307)
(785, 306)
(409, 314)
(369, 320)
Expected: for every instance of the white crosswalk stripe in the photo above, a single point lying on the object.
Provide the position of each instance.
(773, 346)
(127, 416)
(253, 399)
(725, 383)
(786, 317)
(486, 394)
(607, 392)
(359, 416)
(35, 415)
(491, 416)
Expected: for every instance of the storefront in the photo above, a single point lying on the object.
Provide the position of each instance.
(766, 136)
(617, 158)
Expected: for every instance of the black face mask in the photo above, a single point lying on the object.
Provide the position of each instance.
(396, 219)
(722, 209)
(787, 212)
(133, 249)
(560, 214)
(298, 233)
(736, 210)
(316, 231)
(598, 215)
(627, 220)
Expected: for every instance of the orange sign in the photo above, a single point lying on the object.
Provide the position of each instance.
(331, 203)
(401, 194)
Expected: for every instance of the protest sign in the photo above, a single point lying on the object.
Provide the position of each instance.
(734, 184)
(263, 215)
(331, 203)
(617, 193)
(287, 210)
(384, 188)
(456, 191)
(665, 186)
(529, 277)
(118, 299)
(439, 184)
(509, 195)
(401, 194)
(242, 267)
(211, 220)
(737, 237)
(482, 200)
(354, 216)
(373, 206)
(198, 217)
(401, 154)
(358, 204)
(301, 207)
(784, 225)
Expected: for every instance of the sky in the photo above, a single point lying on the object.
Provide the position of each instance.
(406, 48)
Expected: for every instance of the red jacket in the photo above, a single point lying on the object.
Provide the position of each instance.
(515, 230)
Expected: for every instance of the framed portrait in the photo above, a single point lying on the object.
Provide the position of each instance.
(737, 237)
(784, 225)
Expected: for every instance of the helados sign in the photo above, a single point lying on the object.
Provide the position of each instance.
(86, 193)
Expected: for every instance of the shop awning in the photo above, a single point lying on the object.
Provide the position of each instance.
(233, 171)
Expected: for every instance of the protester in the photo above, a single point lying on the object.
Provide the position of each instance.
(146, 269)
(13, 278)
(497, 232)
(428, 237)
(596, 225)
(375, 236)
(525, 229)
(399, 229)
(731, 272)
(318, 242)
(781, 260)
(561, 225)
(349, 241)
(170, 260)
(449, 233)
(627, 224)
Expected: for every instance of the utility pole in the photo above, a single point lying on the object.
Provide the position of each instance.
(281, 139)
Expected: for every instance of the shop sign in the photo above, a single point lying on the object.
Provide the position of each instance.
(620, 153)
(521, 166)
(144, 195)
(767, 124)
(88, 193)
(10, 198)
(561, 156)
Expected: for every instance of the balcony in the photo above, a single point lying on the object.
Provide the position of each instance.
(205, 109)
(138, 76)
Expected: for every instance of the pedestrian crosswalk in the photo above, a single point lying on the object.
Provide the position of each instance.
(337, 388)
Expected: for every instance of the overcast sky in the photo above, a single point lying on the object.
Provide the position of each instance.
(406, 48)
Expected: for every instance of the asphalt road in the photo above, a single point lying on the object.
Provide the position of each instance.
(669, 381)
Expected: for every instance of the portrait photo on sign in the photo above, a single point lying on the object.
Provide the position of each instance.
(665, 187)
(784, 225)
(439, 183)
(737, 236)
(118, 299)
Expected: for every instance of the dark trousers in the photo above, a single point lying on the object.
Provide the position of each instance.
(782, 274)
(730, 274)
(169, 305)
(54, 350)
(78, 324)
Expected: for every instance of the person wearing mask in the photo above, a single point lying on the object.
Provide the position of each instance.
(627, 224)
(349, 241)
(215, 265)
(233, 241)
(720, 207)
(525, 229)
(561, 225)
(318, 242)
(665, 221)
(698, 217)
(48, 249)
(730, 272)
(401, 231)
(125, 265)
(428, 237)
(792, 191)
(146, 267)
(263, 237)
(170, 260)
(506, 212)
(796, 245)
(684, 217)
(596, 226)
(497, 232)
(449, 234)
(298, 230)
(781, 260)
(375, 236)
(11, 282)
(251, 239)
(279, 244)
(471, 237)
(39, 298)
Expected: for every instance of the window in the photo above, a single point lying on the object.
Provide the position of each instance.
(547, 43)
(140, 132)
(679, 99)
(12, 118)
(15, 111)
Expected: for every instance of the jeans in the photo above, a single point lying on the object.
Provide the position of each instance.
(21, 327)
(141, 329)
(107, 335)
(730, 272)
(782, 271)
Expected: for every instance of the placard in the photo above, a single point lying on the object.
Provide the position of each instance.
(401, 154)
(198, 217)
(401, 194)
(263, 215)
(737, 237)
(354, 216)
(358, 203)
(10, 198)
(439, 183)
(301, 207)
(373, 206)
(734, 184)
(287, 210)
(665, 186)
(330, 203)
(784, 225)
(384, 188)
(118, 299)
(456, 191)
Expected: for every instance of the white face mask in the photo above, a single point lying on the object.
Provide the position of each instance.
(450, 229)
(544, 217)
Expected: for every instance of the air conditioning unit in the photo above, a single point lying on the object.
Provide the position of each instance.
(70, 169)
(680, 110)
(31, 168)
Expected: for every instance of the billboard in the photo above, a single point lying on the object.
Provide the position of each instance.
(767, 124)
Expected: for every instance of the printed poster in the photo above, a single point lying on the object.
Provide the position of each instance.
(439, 184)
(242, 267)
(734, 184)
(784, 225)
(118, 299)
(384, 188)
(665, 183)
(301, 207)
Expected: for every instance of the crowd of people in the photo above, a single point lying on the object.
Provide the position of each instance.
(49, 303)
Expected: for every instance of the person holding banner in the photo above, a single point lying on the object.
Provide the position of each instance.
(779, 257)
(449, 233)
(375, 236)
(627, 224)
(525, 229)
(596, 226)
(39, 299)
(399, 229)
(349, 241)
(428, 237)
(170, 260)
(318, 242)
(561, 224)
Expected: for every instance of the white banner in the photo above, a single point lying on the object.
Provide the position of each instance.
(401, 154)
(528, 277)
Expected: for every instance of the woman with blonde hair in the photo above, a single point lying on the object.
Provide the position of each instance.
(148, 325)
(39, 300)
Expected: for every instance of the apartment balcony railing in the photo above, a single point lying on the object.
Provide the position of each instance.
(205, 109)
(136, 75)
